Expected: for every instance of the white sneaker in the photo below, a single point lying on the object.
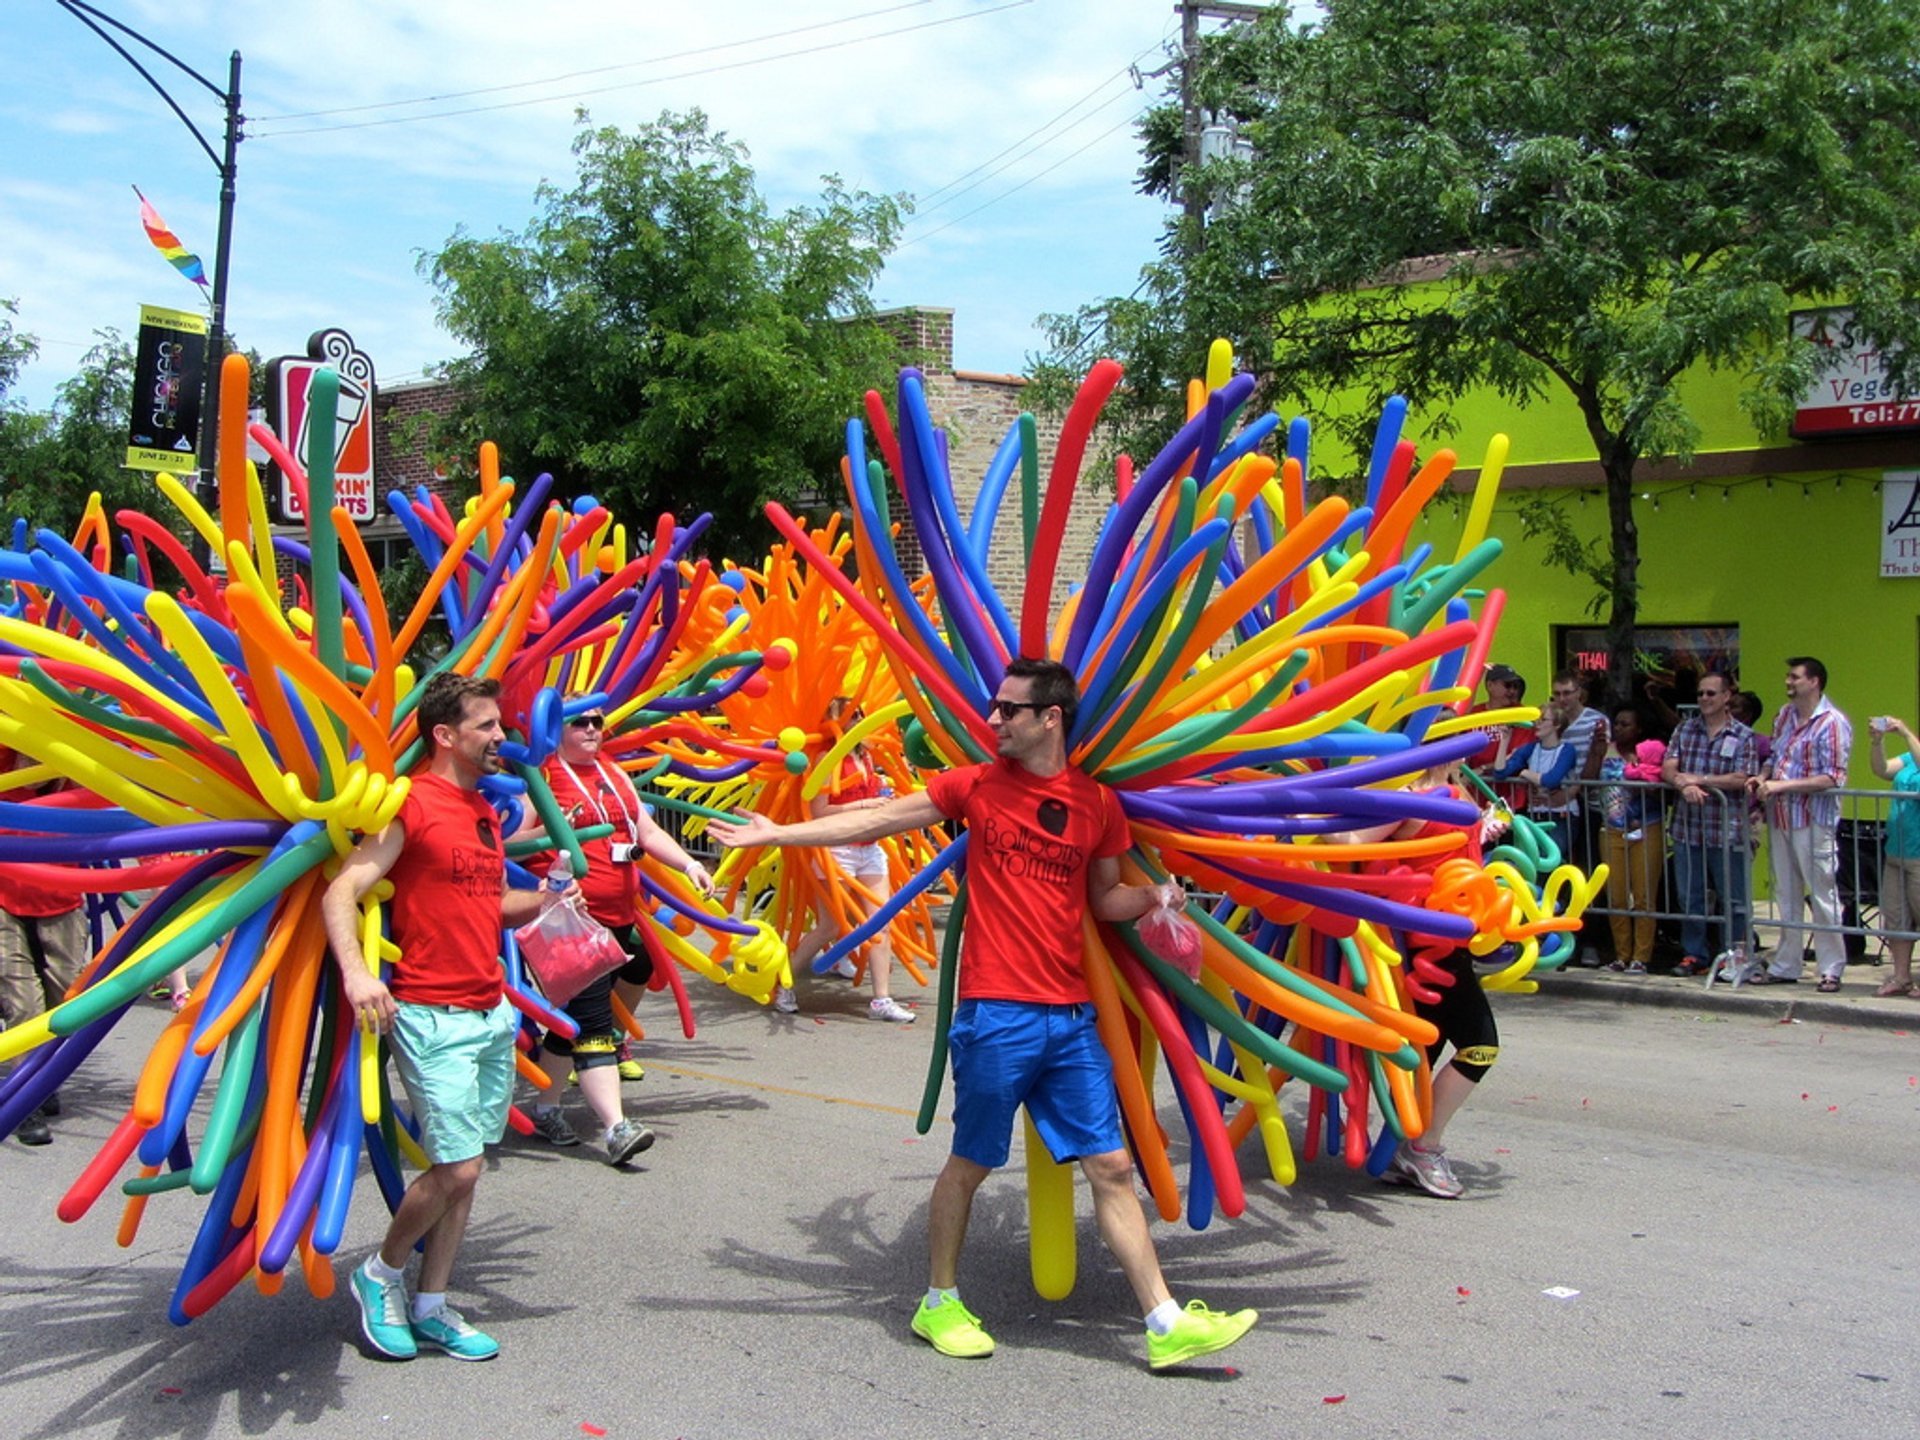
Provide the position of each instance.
(885, 1007)
(785, 1001)
(843, 967)
(1428, 1169)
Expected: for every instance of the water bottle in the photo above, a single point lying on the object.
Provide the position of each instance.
(561, 875)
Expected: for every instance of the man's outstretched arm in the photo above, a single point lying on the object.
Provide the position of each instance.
(849, 827)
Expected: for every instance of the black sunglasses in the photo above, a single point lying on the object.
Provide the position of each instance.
(586, 722)
(1007, 709)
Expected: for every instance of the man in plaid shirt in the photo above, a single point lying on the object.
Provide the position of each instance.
(1811, 742)
(1709, 761)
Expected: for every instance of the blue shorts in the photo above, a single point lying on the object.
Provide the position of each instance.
(1009, 1053)
(457, 1066)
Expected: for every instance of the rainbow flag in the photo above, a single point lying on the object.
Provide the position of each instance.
(168, 243)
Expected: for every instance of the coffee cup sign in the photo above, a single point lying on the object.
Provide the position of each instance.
(288, 380)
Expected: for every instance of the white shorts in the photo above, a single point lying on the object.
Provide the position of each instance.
(860, 861)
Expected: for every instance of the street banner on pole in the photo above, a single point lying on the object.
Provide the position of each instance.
(169, 373)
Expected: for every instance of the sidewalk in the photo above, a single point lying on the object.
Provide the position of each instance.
(1856, 1004)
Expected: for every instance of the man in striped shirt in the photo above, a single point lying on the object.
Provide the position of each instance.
(1811, 742)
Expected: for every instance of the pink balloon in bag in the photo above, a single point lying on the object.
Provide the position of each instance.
(1169, 934)
(567, 950)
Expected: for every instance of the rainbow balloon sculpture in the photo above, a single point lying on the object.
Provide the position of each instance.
(790, 749)
(1250, 712)
(224, 747)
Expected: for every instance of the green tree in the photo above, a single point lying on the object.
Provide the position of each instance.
(52, 461)
(1608, 193)
(16, 349)
(659, 337)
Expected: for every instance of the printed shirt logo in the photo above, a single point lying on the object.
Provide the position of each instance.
(1022, 851)
(478, 872)
(1053, 817)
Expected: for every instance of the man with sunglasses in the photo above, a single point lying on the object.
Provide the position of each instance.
(1044, 852)
(1708, 762)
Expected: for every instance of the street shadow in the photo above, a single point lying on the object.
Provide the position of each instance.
(846, 1266)
(256, 1364)
(1329, 1194)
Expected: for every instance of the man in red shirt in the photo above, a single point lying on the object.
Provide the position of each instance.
(1045, 851)
(444, 1004)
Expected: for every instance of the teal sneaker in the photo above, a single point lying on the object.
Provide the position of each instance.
(447, 1329)
(383, 1314)
(1199, 1331)
(952, 1329)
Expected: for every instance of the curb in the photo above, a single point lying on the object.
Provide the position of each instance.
(1758, 1003)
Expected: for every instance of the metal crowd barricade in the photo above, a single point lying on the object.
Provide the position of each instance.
(1859, 855)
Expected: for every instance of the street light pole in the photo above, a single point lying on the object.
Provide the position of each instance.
(226, 162)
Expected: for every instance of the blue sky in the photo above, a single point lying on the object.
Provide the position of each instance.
(1008, 120)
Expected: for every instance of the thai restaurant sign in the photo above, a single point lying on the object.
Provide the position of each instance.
(1852, 394)
(1899, 524)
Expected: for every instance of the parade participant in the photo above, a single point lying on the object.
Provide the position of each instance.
(1045, 853)
(1811, 742)
(857, 785)
(1709, 761)
(43, 944)
(1453, 1001)
(594, 791)
(444, 1006)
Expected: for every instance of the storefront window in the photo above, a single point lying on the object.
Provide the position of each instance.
(1670, 659)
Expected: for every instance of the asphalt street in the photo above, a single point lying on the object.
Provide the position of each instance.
(1679, 1222)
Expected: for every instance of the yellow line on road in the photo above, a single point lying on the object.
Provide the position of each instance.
(685, 1074)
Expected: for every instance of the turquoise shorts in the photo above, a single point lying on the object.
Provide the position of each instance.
(1009, 1053)
(457, 1066)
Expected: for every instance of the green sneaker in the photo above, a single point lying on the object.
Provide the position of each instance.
(446, 1329)
(383, 1314)
(1199, 1331)
(952, 1329)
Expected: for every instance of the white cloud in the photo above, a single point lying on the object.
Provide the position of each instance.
(328, 225)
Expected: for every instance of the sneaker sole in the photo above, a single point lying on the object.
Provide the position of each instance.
(628, 1151)
(438, 1348)
(954, 1354)
(1396, 1176)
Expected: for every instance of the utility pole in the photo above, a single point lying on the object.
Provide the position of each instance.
(226, 162)
(1192, 12)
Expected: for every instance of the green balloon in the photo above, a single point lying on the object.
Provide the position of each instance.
(913, 736)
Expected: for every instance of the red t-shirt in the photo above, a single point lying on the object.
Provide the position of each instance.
(858, 779)
(1033, 841)
(608, 797)
(23, 897)
(447, 886)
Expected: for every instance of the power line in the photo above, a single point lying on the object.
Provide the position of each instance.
(656, 80)
(598, 70)
(1015, 190)
(922, 211)
(1125, 69)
